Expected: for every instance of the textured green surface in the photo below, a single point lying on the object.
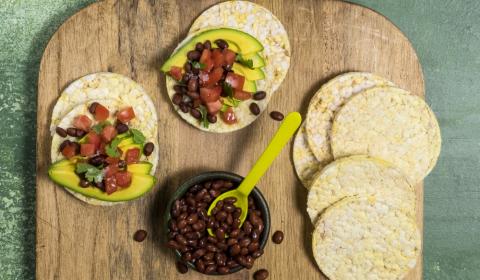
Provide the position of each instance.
(446, 35)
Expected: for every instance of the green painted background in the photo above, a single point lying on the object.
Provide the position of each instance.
(446, 35)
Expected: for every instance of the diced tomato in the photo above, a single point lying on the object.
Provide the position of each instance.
(82, 122)
(176, 73)
(69, 151)
(132, 155)
(125, 115)
(214, 77)
(108, 133)
(206, 59)
(112, 160)
(110, 185)
(214, 107)
(87, 149)
(111, 170)
(217, 57)
(229, 56)
(235, 80)
(229, 116)
(211, 94)
(241, 95)
(101, 113)
(123, 178)
(101, 149)
(93, 138)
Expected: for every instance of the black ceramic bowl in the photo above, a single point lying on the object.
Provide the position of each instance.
(257, 196)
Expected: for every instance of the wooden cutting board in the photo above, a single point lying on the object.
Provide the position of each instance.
(79, 241)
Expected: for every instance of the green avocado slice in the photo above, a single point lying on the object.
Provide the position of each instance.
(249, 74)
(250, 86)
(245, 42)
(66, 177)
(140, 168)
(257, 60)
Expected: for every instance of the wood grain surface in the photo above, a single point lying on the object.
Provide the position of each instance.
(79, 241)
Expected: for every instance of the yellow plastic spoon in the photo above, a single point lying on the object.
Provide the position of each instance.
(284, 133)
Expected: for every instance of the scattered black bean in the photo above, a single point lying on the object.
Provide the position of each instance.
(277, 237)
(182, 267)
(211, 118)
(194, 55)
(207, 45)
(148, 149)
(221, 43)
(97, 160)
(80, 133)
(199, 47)
(192, 85)
(276, 115)
(121, 128)
(254, 109)
(179, 88)
(84, 183)
(140, 235)
(92, 107)
(196, 114)
(72, 131)
(177, 98)
(187, 66)
(122, 164)
(61, 132)
(193, 94)
(259, 95)
(184, 107)
(261, 274)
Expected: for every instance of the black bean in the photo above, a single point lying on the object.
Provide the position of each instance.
(64, 144)
(223, 270)
(257, 254)
(140, 235)
(192, 85)
(177, 98)
(97, 160)
(196, 114)
(84, 183)
(221, 43)
(93, 107)
(210, 269)
(187, 66)
(194, 55)
(235, 250)
(80, 133)
(148, 149)
(254, 109)
(193, 94)
(199, 47)
(277, 237)
(100, 185)
(180, 88)
(276, 115)
(72, 131)
(211, 118)
(61, 132)
(121, 128)
(261, 274)
(259, 95)
(230, 200)
(184, 107)
(181, 240)
(182, 267)
(207, 45)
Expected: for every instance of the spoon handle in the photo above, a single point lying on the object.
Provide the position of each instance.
(284, 133)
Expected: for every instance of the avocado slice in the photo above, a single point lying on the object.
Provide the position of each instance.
(249, 74)
(125, 142)
(250, 86)
(258, 61)
(125, 148)
(140, 168)
(66, 177)
(245, 42)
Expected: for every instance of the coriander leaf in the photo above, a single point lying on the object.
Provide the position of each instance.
(205, 121)
(245, 62)
(111, 149)
(138, 136)
(231, 101)
(198, 65)
(227, 88)
(224, 108)
(92, 174)
(83, 167)
(99, 126)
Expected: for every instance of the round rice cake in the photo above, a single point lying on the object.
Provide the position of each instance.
(389, 123)
(326, 102)
(358, 238)
(259, 22)
(363, 176)
(305, 163)
(104, 85)
(139, 122)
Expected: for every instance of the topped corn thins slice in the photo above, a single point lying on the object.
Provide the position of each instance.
(389, 123)
(327, 101)
(261, 24)
(360, 175)
(359, 238)
(305, 163)
(105, 85)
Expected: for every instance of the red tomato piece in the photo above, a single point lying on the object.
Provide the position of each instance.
(82, 122)
(211, 94)
(125, 115)
(241, 95)
(214, 107)
(112, 160)
(214, 77)
(101, 149)
(87, 149)
(123, 178)
(206, 59)
(101, 113)
(111, 170)
(217, 57)
(176, 73)
(132, 155)
(235, 80)
(110, 185)
(69, 151)
(93, 138)
(229, 56)
(108, 133)
(229, 116)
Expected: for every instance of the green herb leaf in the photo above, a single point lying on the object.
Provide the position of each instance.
(224, 107)
(203, 111)
(227, 88)
(231, 101)
(197, 65)
(245, 62)
(92, 174)
(138, 136)
(99, 126)
(112, 148)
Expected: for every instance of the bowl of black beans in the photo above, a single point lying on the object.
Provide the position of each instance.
(233, 247)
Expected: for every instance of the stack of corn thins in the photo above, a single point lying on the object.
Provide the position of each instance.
(363, 146)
